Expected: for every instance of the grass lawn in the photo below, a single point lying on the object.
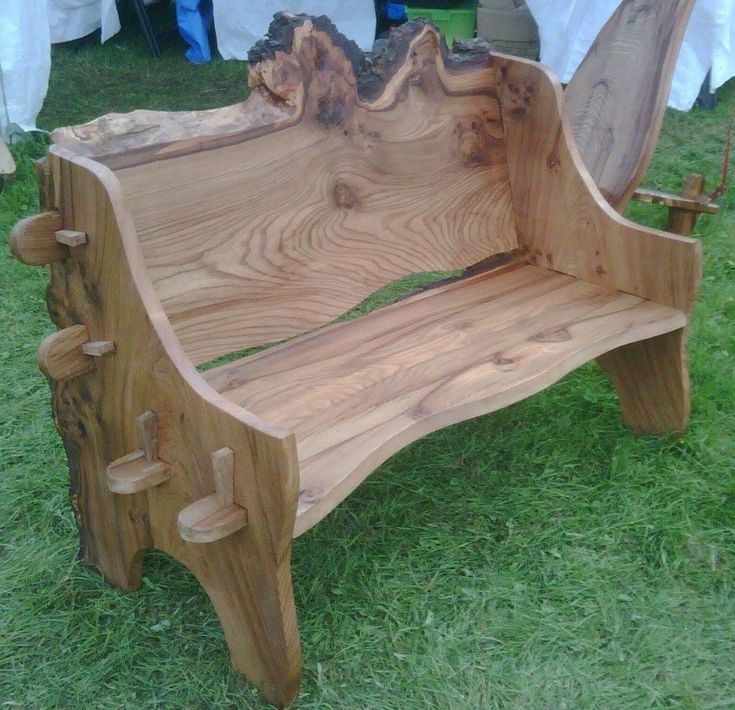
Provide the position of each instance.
(539, 557)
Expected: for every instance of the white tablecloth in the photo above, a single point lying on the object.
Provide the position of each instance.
(568, 28)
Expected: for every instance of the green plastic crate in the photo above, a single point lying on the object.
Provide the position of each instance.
(455, 23)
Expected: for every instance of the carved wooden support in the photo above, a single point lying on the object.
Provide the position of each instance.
(685, 208)
(216, 516)
(69, 353)
(33, 240)
(142, 469)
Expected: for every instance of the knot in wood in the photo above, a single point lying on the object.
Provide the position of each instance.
(343, 195)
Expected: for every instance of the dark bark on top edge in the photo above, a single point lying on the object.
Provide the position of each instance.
(373, 70)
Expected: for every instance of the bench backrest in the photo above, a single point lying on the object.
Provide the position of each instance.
(288, 228)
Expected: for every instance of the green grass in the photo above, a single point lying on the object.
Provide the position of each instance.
(540, 557)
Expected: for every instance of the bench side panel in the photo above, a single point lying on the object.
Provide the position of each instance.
(562, 220)
(102, 286)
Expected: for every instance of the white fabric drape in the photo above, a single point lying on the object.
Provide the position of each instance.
(568, 28)
(25, 61)
(72, 19)
(27, 30)
(240, 24)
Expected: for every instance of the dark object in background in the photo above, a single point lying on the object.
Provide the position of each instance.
(387, 15)
(706, 99)
(151, 38)
(509, 27)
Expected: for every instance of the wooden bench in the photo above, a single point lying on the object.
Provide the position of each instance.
(175, 239)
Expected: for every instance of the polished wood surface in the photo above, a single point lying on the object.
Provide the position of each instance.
(358, 391)
(198, 245)
(617, 97)
(281, 233)
(562, 220)
(125, 502)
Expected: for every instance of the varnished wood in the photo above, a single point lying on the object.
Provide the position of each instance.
(60, 355)
(135, 473)
(143, 469)
(208, 521)
(345, 173)
(217, 516)
(255, 243)
(562, 220)
(98, 348)
(652, 381)
(71, 237)
(247, 574)
(223, 466)
(682, 220)
(617, 97)
(33, 239)
(358, 391)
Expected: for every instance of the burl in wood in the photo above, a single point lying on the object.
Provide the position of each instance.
(174, 239)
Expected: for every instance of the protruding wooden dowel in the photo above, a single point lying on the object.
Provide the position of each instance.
(147, 426)
(215, 516)
(33, 240)
(98, 348)
(70, 237)
(223, 463)
(60, 355)
(142, 469)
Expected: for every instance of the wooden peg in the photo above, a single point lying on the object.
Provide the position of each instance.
(223, 463)
(33, 240)
(71, 237)
(217, 515)
(142, 469)
(147, 426)
(60, 355)
(98, 348)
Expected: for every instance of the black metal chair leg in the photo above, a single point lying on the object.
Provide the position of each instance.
(145, 25)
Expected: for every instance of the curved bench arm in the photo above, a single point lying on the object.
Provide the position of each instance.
(562, 220)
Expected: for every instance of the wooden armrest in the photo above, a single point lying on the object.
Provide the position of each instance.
(563, 221)
(677, 201)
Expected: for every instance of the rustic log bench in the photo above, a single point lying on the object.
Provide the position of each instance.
(175, 239)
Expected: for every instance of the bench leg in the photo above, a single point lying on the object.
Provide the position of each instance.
(253, 598)
(652, 381)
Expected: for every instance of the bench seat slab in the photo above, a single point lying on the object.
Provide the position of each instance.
(358, 391)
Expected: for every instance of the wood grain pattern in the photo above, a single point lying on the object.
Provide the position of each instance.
(98, 348)
(562, 220)
(61, 357)
(33, 239)
(124, 139)
(656, 197)
(365, 170)
(683, 220)
(135, 473)
(358, 391)
(71, 237)
(283, 232)
(617, 97)
(247, 574)
(652, 381)
(207, 520)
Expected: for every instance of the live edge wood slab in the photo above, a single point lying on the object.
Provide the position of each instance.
(173, 239)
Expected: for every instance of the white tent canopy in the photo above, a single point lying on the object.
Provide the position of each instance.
(568, 28)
